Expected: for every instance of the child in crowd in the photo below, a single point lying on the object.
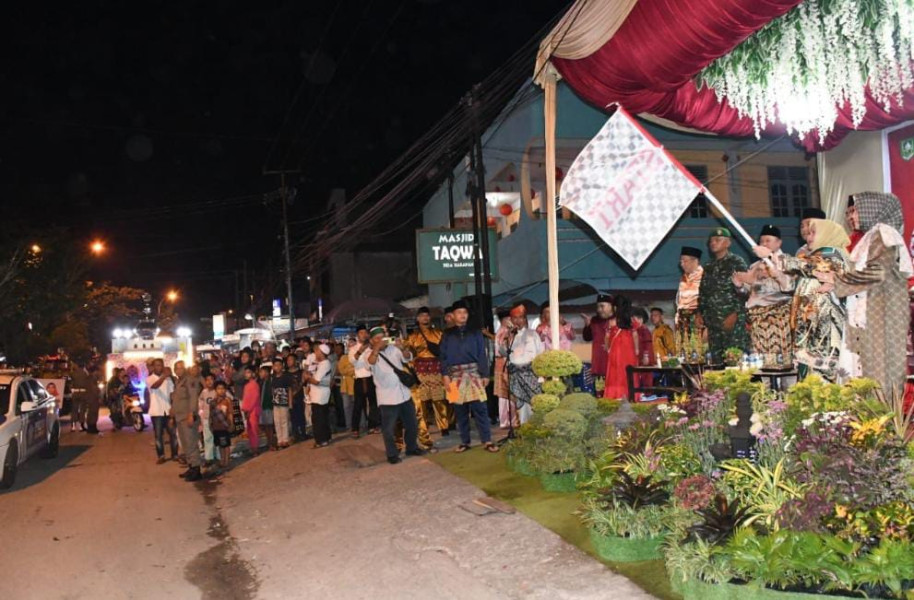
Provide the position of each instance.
(250, 406)
(221, 422)
(266, 407)
(203, 407)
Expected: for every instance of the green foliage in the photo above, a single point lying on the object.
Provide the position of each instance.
(624, 521)
(557, 363)
(607, 406)
(580, 402)
(698, 560)
(718, 521)
(733, 355)
(815, 395)
(544, 403)
(555, 387)
(557, 454)
(733, 382)
(677, 462)
(761, 490)
(566, 423)
(890, 565)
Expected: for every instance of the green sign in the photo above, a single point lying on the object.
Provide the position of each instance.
(907, 149)
(446, 255)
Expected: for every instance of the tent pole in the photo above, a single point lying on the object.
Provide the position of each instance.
(552, 250)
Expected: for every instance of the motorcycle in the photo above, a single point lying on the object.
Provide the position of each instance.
(128, 410)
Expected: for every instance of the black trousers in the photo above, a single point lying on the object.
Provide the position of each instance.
(365, 396)
(336, 399)
(405, 412)
(320, 422)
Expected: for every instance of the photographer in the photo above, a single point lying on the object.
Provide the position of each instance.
(394, 399)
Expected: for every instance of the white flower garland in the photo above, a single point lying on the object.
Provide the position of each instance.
(800, 68)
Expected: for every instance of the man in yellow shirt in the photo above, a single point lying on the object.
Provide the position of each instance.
(424, 343)
(664, 340)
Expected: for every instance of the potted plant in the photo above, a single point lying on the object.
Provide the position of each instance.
(732, 356)
(560, 454)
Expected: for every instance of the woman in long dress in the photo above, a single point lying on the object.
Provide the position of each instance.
(817, 315)
(875, 286)
(620, 346)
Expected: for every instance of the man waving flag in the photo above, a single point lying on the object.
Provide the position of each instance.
(628, 188)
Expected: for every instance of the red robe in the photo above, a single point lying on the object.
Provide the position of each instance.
(621, 354)
(596, 333)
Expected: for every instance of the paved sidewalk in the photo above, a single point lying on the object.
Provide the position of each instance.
(315, 523)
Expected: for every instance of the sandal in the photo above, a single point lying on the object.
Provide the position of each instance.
(490, 447)
(461, 448)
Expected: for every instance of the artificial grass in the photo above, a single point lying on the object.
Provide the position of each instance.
(553, 510)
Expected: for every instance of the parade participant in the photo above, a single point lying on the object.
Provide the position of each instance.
(816, 314)
(768, 305)
(620, 350)
(688, 326)
(394, 399)
(465, 371)
(365, 394)
(251, 407)
(160, 386)
(544, 331)
(875, 285)
(188, 385)
(425, 344)
(522, 345)
(595, 329)
(722, 309)
(662, 338)
(644, 347)
(319, 381)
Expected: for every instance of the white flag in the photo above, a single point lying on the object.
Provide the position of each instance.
(628, 188)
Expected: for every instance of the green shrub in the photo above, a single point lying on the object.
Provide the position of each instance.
(557, 363)
(544, 403)
(580, 402)
(566, 423)
(555, 387)
(607, 406)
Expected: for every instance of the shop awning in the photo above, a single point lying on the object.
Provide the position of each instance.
(645, 55)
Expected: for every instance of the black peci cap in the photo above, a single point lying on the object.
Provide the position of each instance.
(604, 298)
(460, 304)
(812, 213)
(690, 251)
(771, 230)
(423, 310)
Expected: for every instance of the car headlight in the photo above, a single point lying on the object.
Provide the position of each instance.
(136, 403)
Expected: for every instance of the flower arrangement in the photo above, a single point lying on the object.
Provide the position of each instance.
(557, 363)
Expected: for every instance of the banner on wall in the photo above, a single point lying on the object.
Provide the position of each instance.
(901, 167)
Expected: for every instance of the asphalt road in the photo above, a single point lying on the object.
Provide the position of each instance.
(104, 521)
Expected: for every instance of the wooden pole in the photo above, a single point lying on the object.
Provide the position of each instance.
(552, 245)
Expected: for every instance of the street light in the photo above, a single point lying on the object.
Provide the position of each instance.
(35, 248)
(97, 247)
(171, 296)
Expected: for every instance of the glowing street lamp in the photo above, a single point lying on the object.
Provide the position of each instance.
(97, 247)
(35, 248)
(172, 296)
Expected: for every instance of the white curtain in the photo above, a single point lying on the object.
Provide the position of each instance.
(855, 166)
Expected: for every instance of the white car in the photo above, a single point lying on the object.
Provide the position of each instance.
(28, 423)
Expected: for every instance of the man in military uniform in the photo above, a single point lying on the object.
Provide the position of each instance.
(722, 308)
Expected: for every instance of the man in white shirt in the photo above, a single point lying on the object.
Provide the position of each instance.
(522, 345)
(365, 393)
(395, 400)
(161, 385)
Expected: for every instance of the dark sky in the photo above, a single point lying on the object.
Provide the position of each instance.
(148, 124)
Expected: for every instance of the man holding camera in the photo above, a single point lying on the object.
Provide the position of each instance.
(395, 402)
(365, 393)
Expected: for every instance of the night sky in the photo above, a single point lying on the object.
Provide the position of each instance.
(149, 124)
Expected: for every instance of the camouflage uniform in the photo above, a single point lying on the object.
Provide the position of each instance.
(717, 299)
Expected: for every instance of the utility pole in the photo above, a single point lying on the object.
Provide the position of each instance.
(482, 268)
(284, 199)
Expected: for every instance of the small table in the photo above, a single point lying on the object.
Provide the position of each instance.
(673, 372)
(774, 377)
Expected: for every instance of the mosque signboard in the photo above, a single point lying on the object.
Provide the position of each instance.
(446, 255)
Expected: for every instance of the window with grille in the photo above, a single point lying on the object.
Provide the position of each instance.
(788, 190)
(699, 207)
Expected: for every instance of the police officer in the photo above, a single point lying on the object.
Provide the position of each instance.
(84, 387)
(722, 308)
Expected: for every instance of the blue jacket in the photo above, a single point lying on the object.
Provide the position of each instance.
(463, 346)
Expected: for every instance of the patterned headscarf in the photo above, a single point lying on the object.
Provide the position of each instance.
(877, 207)
(827, 234)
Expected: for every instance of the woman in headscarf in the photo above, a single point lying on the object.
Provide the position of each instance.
(875, 286)
(817, 315)
(621, 349)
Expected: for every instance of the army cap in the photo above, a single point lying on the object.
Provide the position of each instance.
(720, 232)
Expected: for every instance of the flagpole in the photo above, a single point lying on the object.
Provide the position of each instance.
(726, 214)
(552, 244)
